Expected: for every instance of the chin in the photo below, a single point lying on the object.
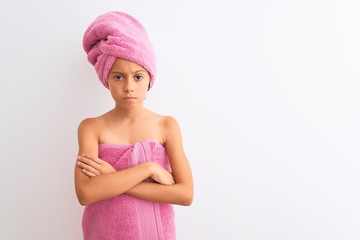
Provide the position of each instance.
(128, 106)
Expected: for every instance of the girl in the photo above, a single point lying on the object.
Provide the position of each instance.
(131, 166)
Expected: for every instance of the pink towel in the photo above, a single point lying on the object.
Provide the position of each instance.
(118, 35)
(124, 216)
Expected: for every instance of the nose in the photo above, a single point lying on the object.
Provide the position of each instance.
(129, 86)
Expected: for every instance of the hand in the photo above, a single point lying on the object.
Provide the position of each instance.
(162, 176)
(94, 166)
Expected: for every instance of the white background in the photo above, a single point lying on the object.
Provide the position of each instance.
(266, 93)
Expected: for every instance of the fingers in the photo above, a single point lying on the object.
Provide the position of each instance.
(172, 181)
(88, 161)
(164, 177)
(95, 165)
(89, 174)
(168, 183)
(88, 168)
(94, 159)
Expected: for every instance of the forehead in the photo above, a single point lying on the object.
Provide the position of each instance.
(122, 65)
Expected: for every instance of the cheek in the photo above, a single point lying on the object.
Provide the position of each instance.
(143, 92)
(115, 92)
(145, 85)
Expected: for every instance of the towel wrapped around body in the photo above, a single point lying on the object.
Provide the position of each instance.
(124, 216)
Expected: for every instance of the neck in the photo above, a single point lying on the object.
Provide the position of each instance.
(130, 113)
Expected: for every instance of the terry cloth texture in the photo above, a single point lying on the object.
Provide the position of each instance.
(118, 35)
(124, 216)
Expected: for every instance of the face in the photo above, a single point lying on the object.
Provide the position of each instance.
(128, 83)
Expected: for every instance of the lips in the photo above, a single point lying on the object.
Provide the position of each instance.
(130, 99)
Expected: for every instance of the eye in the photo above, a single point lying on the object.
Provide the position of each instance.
(138, 77)
(118, 77)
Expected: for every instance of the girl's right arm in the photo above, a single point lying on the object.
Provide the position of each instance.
(93, 189)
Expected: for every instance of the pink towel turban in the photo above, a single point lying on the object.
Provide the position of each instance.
(118, 35)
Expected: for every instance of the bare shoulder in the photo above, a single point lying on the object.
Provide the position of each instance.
(88, 136)
(95, 123)
(169, 122)
(89, 123)
(171, 129)
(165, 122)
(89, 127)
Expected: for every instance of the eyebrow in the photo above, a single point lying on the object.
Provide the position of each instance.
(132, 72)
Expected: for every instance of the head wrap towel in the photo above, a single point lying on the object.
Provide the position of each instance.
(118, 35)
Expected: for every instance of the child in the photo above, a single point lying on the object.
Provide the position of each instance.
(131, 166)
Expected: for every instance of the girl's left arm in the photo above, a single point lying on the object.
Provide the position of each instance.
(182, 191)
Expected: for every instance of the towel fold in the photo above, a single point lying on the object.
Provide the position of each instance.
(118, 35)
(124, 216)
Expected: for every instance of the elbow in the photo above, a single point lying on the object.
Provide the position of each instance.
(186, 199)
(185, 195)
(189, 200)
(83, 198)
(186, 202)
(83, 202)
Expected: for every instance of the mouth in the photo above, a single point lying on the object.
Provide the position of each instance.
(129, 98)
